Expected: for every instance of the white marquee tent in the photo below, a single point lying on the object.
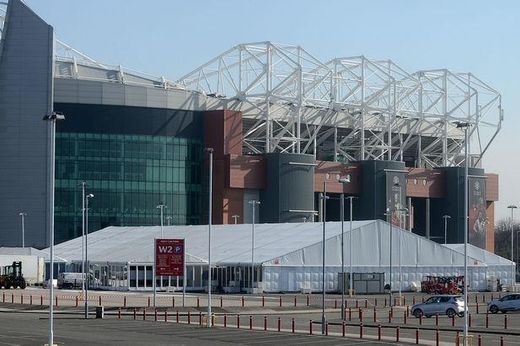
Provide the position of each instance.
(288, 257)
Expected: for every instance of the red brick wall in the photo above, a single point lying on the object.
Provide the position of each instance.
(335, 169)
(425, 183)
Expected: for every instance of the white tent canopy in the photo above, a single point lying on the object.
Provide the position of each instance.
(291, 253)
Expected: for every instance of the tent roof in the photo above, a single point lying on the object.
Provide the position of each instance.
(480, 254)
(230, 243)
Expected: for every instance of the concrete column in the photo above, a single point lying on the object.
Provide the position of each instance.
(427, 219)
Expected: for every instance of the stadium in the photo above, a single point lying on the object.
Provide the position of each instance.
(284, 127)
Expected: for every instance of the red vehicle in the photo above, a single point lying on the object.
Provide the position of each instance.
(442, 284)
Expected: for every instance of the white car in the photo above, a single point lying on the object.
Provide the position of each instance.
(511, 302)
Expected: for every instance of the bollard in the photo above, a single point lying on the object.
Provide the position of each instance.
(422, 299)
(420, 319)
(238, 321)
(77, 301)
(173, 301)
(397, 332)
(417, 336)
(404, 300)
(119, 313)
(30, 299)
(155, 315)
(335, 303)
(307, 300)
(135, 313)
(198, 302)
(99, 300)
(505, 321)
(3, 297)
(453, 321)
(469, 319)
(350, 314)
(392, 311)
(189, 317)
(225, 321)
(385, 302)
(479, 340)
(263, 301)
(361, 330)
(124, 301)
(21, 299)
(265, 322)
(144, 314)
(177, 316)
(357, 304)
(165, 315)
(407, 310)
(295, 301)
(436, 320)
(243, 302)
(221, 302)
(501, 341)
(487, 320)
(413, 300)
(327, 329)
(476, 301)
(378, 332)
(200, 318)
(250, 322)
(478, 309)
(279, 324)
(360, 315)
(437, 337)
(366, 303)
(375, 315)
(280, 301)
(343, 328)
(56, 300)
(404, 317)
(310, 327)
(12, 298)
(389, 317)
(148, 301)
(375, 301)
(292, 325)
(457, 338)
(395, 301)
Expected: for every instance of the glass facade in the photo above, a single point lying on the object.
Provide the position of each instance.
(129, 176)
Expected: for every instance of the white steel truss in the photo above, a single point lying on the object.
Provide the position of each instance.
(357, 108)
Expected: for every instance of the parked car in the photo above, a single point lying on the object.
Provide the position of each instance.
(511, 302)
(450, 305)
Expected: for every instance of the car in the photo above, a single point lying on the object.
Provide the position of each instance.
(450, 305)
(510, 302)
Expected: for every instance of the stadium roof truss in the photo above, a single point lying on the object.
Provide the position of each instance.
(370, 109)
(362, 108)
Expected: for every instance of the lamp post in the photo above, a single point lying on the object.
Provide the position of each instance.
(344, 181)
(465, 126)
(169, 220)
(253, 203)
(52, 119)
(324, 198)
(84, 275)
(517, 251)
(235, 218)
(351, 272)
(161, 206)
(513, 278)
(86, 278)
(23, 215)
(446, 217)
(210, 204)
(388, 214)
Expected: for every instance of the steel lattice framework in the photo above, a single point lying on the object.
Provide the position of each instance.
(357, 108)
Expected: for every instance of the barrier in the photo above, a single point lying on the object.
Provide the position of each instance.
(280, 301)
(221, 302)
(119, 313)
(327, 329)
(177, 316)
(375, 315)
(135, 313)
(437, 337)
(155, 315)
(361, 330)
(343, 328)
(279, 324)
(505, 321)
(200, 318)
(144, 314)
(148, 301)
(310, 327)
(436, 320)
(21, 299)
(238, 321)
(350, 314)
(292, 325)
(404, 317)
(307, 300)
(189, 317)
(379, 332)
(250, 322)
(165, 315)
(243, 301)
(30, 300)
(173, 301)
(198, 302)
(225, 321)
(417, 336)
(295, 301)
(397, 332)
(265, 322)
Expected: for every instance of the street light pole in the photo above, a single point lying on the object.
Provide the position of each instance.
(324, 198)
(86, 278)
(351, 273)
(52, 118)
(446, 217)
(23, 215)
(465, 126)
(342, 216)
(83, 273)
(513, 278)
(210, 205)
(161, 206)
(253, 203)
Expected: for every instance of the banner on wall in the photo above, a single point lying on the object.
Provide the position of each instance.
(396, 197)
(477, 211)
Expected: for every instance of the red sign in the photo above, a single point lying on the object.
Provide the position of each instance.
(169, 257)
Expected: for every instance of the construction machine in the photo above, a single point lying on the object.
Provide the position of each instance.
(11, 276)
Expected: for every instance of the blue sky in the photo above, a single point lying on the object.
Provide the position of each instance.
(171, 38)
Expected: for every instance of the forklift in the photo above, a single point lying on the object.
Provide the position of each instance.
(11, 276)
